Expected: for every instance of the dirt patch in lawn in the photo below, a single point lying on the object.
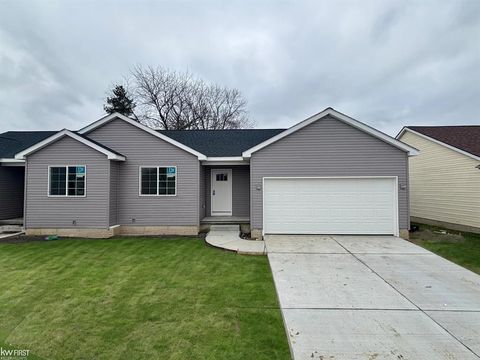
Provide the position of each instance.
(437, 235)
(22, 239)
(460, 247)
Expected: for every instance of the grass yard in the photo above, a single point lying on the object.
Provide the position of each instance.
(461, 248)
(138, 298)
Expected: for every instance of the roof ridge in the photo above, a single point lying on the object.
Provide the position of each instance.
(441, 126)
(199, 130)
(28, 131)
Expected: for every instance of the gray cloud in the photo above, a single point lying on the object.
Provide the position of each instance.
(386, 63)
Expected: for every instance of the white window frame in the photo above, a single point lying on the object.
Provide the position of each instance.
(66, 183)
(157, 167)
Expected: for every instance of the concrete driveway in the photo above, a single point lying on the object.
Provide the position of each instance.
(373, 297)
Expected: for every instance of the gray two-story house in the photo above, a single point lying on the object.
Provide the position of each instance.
(329, 174)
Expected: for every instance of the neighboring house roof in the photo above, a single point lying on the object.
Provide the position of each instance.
(221, 143)
(106, 119)
(465, 137)
(111, 154)
(12, 142)
(339, 116)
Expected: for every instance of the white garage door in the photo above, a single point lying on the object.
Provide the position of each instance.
(330, 206)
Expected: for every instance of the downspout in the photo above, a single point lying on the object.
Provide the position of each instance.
(408, 192)
(25, 182)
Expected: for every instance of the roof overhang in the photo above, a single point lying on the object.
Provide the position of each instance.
(63, 133)
(339, 116)
(222, 160)
(12, 162)
(405, 129)
(106, 119)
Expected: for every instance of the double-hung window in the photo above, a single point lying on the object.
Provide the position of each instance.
(158, 180)
(68, 180)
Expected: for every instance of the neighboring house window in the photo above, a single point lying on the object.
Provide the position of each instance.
(67, 180)
(159, 180)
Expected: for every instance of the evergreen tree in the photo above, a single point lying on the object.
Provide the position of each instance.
(119, 102)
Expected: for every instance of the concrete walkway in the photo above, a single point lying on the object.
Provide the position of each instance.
(373, 297)
(7, 231)
(9, 235)
(228, 237)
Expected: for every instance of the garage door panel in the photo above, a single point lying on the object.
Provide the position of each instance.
(330, 206)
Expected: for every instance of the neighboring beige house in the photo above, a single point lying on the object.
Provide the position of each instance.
(445, 177)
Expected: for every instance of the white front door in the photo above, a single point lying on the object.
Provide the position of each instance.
(221, 192)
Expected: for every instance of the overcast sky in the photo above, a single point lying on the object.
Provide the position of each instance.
(386, 63)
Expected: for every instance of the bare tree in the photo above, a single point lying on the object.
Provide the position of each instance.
(172, 100)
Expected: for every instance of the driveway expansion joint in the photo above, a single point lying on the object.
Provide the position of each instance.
(365, 304)
(421, 310)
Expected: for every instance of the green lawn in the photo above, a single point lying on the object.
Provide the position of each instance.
(461, 248)
(138, 298)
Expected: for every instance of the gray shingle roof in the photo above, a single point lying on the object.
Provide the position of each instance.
(221, 142)
(12, 142)
(207, 142)
(99, 144)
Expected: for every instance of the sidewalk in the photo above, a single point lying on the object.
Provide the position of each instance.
(228, 237)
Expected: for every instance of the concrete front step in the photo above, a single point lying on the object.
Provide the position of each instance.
(7, 231)
(10, 228)
(227, 237)
(224, 228)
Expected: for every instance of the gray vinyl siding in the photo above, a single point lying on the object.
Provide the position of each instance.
(11, 191)
(114, 175)
(328, 147)
(143, 149)
(91, 211)
(202, 189)
(240, 189)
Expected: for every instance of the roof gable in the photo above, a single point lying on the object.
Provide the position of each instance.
(108, 118)
(339, 116)
(463, 139)
(111, 154)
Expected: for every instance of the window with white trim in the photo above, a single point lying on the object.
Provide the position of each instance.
(158, 180)
(68, 180)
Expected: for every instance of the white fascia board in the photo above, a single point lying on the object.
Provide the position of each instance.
(342, 117)
(11, 160)
(225, 160)
(110, 155)
(399, 135)
(151, 131)
(405, 129)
